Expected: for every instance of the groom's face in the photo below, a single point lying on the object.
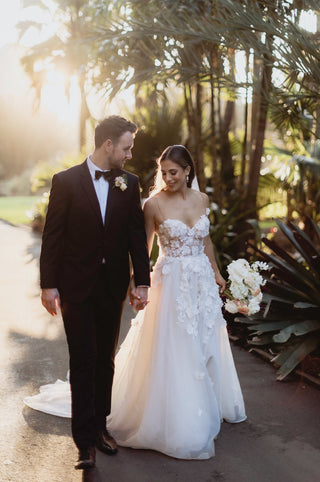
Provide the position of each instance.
(121, 151)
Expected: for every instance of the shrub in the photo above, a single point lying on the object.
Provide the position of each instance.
(41, 183)
(289, 324)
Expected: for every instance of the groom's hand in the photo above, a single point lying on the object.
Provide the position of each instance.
(50, 299)
(139, 297)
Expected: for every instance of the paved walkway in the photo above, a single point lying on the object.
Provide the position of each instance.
(279, 442)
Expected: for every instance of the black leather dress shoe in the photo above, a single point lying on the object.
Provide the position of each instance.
(106, 443)
(86, 459)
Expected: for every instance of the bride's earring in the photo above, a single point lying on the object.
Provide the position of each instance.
(187, 179)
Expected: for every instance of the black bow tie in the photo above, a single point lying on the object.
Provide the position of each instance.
(106, 174)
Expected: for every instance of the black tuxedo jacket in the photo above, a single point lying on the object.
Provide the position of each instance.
(75, 241)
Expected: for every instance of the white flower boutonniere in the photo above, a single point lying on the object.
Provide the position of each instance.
(121, 182)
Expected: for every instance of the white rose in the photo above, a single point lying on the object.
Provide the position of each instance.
(239, 290)
(121, 183)
(231, 306)
(253, 306)
(238, 269)
(249, 280)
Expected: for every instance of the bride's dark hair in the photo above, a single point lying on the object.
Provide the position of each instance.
(179, 155)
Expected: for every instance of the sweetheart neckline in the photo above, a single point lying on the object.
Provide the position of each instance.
(179, 220)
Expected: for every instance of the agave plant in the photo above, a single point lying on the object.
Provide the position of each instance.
(289, 324)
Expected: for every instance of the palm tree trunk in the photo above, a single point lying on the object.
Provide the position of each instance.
(245, 134)
(255, 102)
(255, 160)
(227, 170)
(213, 146)
(199, 161)
(194, 119)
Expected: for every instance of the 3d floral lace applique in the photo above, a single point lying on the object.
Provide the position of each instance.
(198, 301)
(178, 239)
(162, 268)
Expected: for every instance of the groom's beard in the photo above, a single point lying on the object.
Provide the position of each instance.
(117, 163)
(116, 160)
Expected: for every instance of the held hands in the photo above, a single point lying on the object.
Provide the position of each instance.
(220, 281)
(50, 299)
(138, 296)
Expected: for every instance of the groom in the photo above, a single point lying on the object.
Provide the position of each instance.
(94, 224)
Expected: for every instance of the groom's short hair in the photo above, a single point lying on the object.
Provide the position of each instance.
(113, 128)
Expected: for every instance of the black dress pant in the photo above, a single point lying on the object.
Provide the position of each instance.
(92, 330)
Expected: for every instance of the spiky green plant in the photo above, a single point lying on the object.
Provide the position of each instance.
(289, 324)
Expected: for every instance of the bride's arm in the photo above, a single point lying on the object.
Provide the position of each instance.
(149, 211)
(209, 251)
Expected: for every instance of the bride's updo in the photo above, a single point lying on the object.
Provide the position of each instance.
(179, 155)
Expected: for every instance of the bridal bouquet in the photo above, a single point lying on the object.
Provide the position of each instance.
(244, 286)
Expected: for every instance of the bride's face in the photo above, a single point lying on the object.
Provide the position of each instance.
(174, 176)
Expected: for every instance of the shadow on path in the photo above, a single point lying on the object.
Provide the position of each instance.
(40, 360)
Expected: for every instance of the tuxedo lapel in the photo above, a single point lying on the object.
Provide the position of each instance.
(110, 203)
(113, 194)
(88, 186)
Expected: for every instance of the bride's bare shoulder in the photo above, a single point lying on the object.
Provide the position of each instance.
(152, 211)
(201, 197)
(148, 203)
(151, 203)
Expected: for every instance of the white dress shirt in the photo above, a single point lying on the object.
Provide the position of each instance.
(101, 187)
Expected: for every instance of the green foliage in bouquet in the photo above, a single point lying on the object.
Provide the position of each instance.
(289, 324)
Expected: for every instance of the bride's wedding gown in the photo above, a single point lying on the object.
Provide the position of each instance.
(175, 379)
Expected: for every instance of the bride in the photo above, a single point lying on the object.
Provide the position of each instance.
(175, 379)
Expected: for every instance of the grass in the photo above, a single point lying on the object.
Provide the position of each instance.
(14, 208)
(267, 224)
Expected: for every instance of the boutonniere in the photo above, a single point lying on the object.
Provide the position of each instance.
(121, 182)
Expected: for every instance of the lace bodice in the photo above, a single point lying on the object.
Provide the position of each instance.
(183, 263)
(177, 239)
